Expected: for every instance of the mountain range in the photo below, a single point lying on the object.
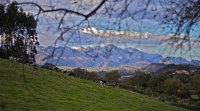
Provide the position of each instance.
(106, 56)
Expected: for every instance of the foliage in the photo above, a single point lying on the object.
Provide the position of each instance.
(140, 79)
(170, 86)
(183, 91)
(193, 108)
(183, 77)
(112, 76)
(18, 30)
(82, 73)
(126, 81)
(156, 81)
(195, 84)
(49, 66)
(79, 72)
(92, 76)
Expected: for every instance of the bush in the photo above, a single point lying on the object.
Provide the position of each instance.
(190, 102)
(172, 99)
(197, 103)
(148, 92)
(164, 98)
(194, 108)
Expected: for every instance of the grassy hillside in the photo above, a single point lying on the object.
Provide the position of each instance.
(47, 90)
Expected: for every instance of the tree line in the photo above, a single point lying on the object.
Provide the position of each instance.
(180, 85)
(18, 36)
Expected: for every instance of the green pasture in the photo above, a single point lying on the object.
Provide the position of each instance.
(21, 89)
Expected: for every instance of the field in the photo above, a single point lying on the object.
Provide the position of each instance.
(22, 89)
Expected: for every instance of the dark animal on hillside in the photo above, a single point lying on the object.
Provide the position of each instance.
(102, 82)
(28, 62)
(35, 69)
(56, 68)
(116, 85)
(71, 74)
(65, 72)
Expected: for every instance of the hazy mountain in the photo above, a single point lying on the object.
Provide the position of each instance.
(153, 67)
(107, 56)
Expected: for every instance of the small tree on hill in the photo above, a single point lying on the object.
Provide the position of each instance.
(112, 76)
(170, 86)
(156, 81)
(140, 79)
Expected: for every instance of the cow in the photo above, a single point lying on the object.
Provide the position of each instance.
(11, 58)
(116, 85)
(65, 72)
(28, 62)
(17, 59)
(35, 69)
(55, 69)
(31, 63)
(102, 82)
(71, 74)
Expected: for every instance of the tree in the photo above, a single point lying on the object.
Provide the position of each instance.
(195, 84)
(126, 81)
(112, 76)
(91, 76)
(156, 81)
(49, 66)
(140, 79)
(84, 74)
(19, 32)
(79, 72)
(2, 13)
(170, 86)
(183, 77)
(183, 92)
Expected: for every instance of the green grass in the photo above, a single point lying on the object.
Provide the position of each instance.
(52, 91)
(195, 97)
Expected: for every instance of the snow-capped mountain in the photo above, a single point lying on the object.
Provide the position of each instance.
(107, 56)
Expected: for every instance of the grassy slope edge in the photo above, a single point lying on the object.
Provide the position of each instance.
(48, 90)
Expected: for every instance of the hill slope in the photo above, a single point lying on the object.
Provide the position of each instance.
(48, 90)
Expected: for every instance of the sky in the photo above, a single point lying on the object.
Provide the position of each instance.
(107, 18)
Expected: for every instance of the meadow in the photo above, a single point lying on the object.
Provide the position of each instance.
(22, 89)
